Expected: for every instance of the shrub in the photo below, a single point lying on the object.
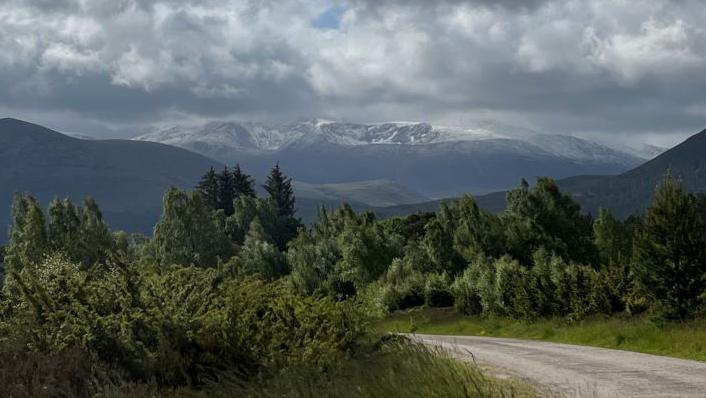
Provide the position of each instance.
(402, 286)
(511, 289)
(467, 299)
(437, 290)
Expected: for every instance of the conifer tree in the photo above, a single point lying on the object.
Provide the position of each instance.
(96, 240)
(243, 184)
(225, 191)
(281, 200)
(279, 188)
(208, 186)
(28, 236)
(670, 262)
(610, 238)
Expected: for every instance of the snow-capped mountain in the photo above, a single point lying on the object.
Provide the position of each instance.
(432, 160)
(218, 138)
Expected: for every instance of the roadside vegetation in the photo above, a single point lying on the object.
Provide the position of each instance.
(685, 340)
(231, 296)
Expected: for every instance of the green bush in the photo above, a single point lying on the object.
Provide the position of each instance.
(402, 286)
(437, 290)
(467, 298)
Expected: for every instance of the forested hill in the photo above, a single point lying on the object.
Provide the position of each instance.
(624, 194)
(128, 178)
(631, 192)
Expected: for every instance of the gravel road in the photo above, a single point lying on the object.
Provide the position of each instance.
(579, 371)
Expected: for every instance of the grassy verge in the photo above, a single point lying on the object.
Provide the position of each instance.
(397, 370)
(682, 340)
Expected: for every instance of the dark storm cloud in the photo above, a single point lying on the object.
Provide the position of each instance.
(565, 66)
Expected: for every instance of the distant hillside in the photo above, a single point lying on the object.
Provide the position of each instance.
(625, 194)
(127, 178)
(631, 192)
(435, 161)
(375, 193)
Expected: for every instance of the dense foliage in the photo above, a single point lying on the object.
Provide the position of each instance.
(233, 284)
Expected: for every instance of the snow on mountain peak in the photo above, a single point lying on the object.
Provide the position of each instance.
(260, 137)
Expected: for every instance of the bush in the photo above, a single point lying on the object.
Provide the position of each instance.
(174, 325)
(258, 325)
(437, 290)
(511, 289)
(402, 286)
(467, 299)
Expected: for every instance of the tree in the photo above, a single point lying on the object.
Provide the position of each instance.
(478, 231)
(243, 184)
(28, 236)
(189, 232)
(281, 198)
(279, 188)
(225, 191)
(208, 186)
(610, 238)
(95, 241)
(543, 216)
(259, 256)
(669, 257)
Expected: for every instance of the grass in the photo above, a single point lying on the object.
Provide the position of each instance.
(393, 368)
(681, 340)
(398, 370)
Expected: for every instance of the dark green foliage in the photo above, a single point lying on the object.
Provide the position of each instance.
(243, 184)
(402, 286)
(259, 256)
(208, 187)
(670, 260)
(28, 236)
(613, 238)
(279, 189)
(281, 197)
(226, 191)
(189, 232)
(437, 291)
(465, 290)
(542, 216)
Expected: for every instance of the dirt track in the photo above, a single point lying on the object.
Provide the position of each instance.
(578, 371)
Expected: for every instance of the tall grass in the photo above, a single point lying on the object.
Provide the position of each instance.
(677, 339)
(396, 368)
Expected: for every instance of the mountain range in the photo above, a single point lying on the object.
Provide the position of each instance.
(434, 161)
(392, 170)
(624, 194)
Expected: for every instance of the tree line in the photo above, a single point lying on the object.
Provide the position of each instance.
(230, 280)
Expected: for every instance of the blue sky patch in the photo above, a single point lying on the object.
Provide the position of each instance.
(330, 18)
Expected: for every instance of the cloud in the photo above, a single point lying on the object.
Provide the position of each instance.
(562, 66)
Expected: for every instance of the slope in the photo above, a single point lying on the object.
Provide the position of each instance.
(127, 178)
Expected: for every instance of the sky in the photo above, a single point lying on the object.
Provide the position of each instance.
(618, 70)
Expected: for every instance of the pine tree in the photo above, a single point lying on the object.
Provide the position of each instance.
(243, 184)
(208, 186)
(96, 240)
(610, 238)
(28, 235)
(284, 224)
(670, 261)
(225, 191)
(279, 187)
